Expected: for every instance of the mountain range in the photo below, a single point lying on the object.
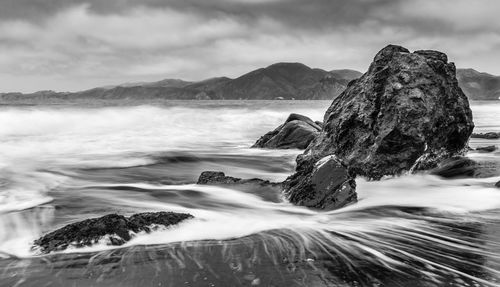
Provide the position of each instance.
(285, 81)
(479, 86)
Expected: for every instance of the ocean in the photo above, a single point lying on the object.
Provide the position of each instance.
(63, 163)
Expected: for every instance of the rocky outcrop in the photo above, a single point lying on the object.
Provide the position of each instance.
(489, 136)
(406, 111)
(490, 148)
(455, 167)
(269, 191)
(113, 229)
(325, 184)
(298, 131)
(219, 178)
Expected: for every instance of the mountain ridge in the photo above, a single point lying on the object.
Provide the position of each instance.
(283, 80)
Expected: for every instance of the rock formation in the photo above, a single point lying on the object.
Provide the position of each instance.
(113, 228)
(219, 178)
(326, 184)
(406, 111)
(298, 131)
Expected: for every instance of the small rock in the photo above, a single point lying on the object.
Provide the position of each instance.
(497, 184)
(218, 177)
(326, 184)
(490, 135)
(117, 227)
(297, 132)
(489, 148)
(455, 167)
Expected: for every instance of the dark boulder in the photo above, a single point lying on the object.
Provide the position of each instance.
(489, 148)
(489, 136)
(325, 184)
(497, 184)
(405, 113)
(297, 132)
(216, 177)
(455, 167)
(115, 229)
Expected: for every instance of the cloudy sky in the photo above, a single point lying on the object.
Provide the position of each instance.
(69, 45)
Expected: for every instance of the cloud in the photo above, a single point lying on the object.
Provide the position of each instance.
(73, 45)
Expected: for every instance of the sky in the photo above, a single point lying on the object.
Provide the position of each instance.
(70, 45)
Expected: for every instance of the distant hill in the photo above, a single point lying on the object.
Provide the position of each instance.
(283, 81)
(346, 74)
(479, 86)
(279, 81)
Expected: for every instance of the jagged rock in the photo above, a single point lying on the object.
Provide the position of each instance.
(489, 148)
(490, 135)
(269, 191)
(326, 184)
(297, 132)
(219, 178)
(406, 111)
(117, 229)
(455, 167)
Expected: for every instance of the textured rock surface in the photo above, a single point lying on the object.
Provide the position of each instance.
(219, 178)
(326, 184)
(269, 191)
(118, 228)
(406, 108)
(298, 131)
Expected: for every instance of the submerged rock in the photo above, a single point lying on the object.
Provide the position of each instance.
(455, 167)
(406, 111)
(326, 184)
(297, 132)
(117, 229)
(269, 191)
(490, 136)
(490, 148)
(219, 178)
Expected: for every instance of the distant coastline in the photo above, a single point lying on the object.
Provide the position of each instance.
(281, 81)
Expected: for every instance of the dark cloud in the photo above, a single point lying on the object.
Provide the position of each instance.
(76, 44)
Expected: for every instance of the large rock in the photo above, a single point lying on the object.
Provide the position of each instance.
(114, 229)
(297, 132)
(406, 111)
(326, 184)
